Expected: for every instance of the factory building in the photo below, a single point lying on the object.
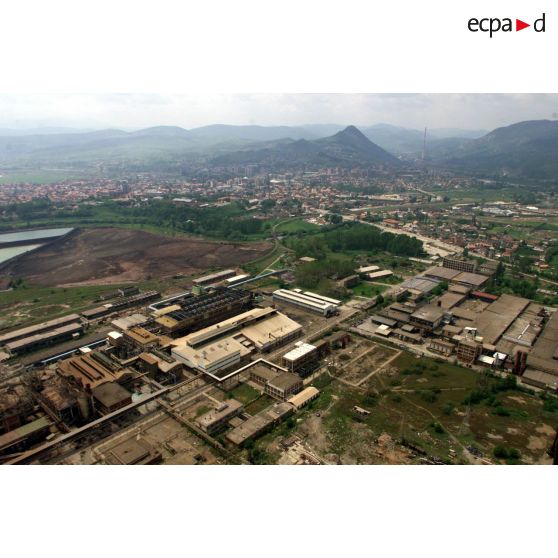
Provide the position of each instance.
(217, 348)
(349, 282)
(214, 278)
(468, 350)
(441, 273)
(20, 438)
(214, 359)
(135, 300)
(263, 372)
(383, 274)
(133, 451)
(497, 318)
(110, 397)
(313, 303)
(203, 310)
(443, 347)
(61, 401)
(92, 369)
(259, 423)
(15, 405)
(128, 322)
(472, 280)
(418, 287)
(283, 386)
(300, 359)
(460, 264)
(39, 340)
(368, 269)
(542, 361)
(216, 420)
(96, 313)
(304, 397)
(427, 318)
(38, 328)
(260, 328)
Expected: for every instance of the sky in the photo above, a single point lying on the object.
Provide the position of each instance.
(134, 111)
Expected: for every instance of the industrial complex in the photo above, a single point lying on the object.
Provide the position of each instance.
(228, 363)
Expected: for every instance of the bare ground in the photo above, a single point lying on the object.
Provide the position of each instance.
(112, 255)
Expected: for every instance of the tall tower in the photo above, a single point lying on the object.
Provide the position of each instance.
(424, 145)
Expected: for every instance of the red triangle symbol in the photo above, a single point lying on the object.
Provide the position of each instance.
(519, 25)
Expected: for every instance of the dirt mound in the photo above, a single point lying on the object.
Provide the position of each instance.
(111, 255)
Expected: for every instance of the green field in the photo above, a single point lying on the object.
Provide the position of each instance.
(296, 226)
(26, 305)
(436, 408)
(244, 393)
(368, 290)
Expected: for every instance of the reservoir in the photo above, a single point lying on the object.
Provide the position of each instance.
(39, 234)
(7, 253)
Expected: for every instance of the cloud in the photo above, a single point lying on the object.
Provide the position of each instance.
(128, 111)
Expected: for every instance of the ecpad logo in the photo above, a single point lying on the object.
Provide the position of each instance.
(493, 25)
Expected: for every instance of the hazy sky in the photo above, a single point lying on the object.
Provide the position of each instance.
(130, 111)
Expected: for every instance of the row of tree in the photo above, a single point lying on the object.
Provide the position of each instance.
(355, 237)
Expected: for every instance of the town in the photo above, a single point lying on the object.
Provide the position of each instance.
(247, 363)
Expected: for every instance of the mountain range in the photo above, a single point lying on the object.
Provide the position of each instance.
(528, 149)
(348, 147)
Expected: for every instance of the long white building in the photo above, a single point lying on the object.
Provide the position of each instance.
(308, 301)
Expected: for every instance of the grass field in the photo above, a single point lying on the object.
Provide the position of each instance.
(27, 305)
(296, 226)
(244, 393)
(368, 290)
(431, 407)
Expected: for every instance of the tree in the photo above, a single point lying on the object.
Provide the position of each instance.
(267, 205)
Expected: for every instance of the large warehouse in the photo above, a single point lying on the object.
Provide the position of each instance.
(309, 301)
(216, 349)
(203, 310)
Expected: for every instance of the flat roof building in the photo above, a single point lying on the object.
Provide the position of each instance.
(283, 386)
(460, 263)
(428, 317)
(44, 339)
(259, 423)
(303, 300)
(213, 359)
(300, 357)
(304, 397)
(37, 328)
(216, 420)
(110, 397)
(473, 280)
(213, 278)
(380, 274)
(441, 273)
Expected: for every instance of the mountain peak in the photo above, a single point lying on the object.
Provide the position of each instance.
(352, 131)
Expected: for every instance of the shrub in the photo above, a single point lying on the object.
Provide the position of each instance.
(550, 405)
(438, 428)
(500, 452)
(501, 411)
(514, 453)
(448, 409)
(428, 396)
